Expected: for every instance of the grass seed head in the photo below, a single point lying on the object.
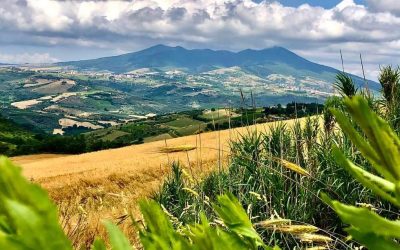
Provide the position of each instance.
(291, 166)
(317, 248)
(194, 193)
(296, 229)
(273, 223)
(175, 149)
(314, 238)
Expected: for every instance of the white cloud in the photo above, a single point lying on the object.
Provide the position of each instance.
(222, 24)
(392, 6)
(27, 58)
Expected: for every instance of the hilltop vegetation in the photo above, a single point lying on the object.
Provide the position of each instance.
(17, 140)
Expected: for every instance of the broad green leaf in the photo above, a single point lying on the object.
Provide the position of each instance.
(365, 220)
(383, 140)
(376, 184)
(98, 244)
(235, 218)
(159, 232)
(118, 240)
(205, 237)
(362, 145)
(29, 219)
(372, 241)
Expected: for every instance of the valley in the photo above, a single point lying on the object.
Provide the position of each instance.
(58, 99)
(95, 100)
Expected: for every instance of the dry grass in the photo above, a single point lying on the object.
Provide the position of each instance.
(107, 184)
(175, 149)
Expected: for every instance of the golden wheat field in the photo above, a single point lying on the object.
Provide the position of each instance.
(89, 188)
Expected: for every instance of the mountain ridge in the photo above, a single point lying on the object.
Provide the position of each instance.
(263, 62)
(235, 58)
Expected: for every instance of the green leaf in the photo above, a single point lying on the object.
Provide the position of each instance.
(205, 237)
(118, 240)
(159, 232)
(372, 241)
(235, 218)
(378, 185)
(98, 244)
(29, 219)
(382, 138)
(365, 148)
(365, 220)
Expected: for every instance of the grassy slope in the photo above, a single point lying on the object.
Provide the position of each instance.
(12, 134)
(165, 126)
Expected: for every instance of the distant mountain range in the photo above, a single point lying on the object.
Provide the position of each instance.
(262, 63)
(159, 80)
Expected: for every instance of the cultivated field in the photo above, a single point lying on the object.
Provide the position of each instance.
(107, 184)
(54, 171)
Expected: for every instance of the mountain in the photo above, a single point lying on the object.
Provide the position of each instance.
(196, 60)
(262, 63)
(160, 80)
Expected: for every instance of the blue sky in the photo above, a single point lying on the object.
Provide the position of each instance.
(38, 31)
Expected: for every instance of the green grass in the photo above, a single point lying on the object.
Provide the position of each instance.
(267, 187)
(113, 135)
(182, 122)
(165, 136)
(191, 129)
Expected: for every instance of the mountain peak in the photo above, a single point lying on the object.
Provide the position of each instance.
(264, 62)
(162, 57)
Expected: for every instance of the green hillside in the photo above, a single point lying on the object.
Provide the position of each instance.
(12, 135)
(18, 140)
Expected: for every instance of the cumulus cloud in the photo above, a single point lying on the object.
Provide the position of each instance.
(392, 6)
(221, 24)
(27, 58)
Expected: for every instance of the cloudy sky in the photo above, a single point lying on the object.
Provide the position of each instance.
(48, 31)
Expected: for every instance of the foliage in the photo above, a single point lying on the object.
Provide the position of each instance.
(276, 173)
(329, 119)
(159, 232)
(29, 221)
(389, 79)
(294, 109)
(345, 85)
(381, 147)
